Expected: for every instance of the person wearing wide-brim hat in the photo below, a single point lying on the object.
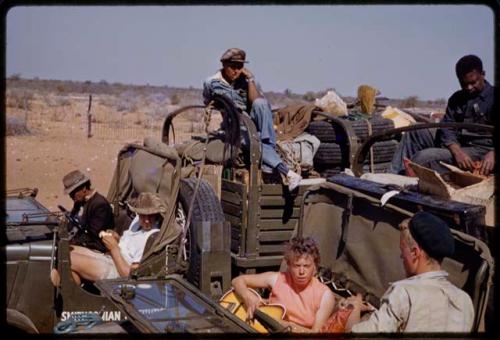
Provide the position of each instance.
(94, 211)
(147, 204)
(426, 301)
(237, 82)
(125, 252)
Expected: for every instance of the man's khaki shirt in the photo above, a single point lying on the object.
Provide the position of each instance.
(422, 303)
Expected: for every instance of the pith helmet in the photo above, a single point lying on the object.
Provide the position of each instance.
(73, 180)
(147, 203)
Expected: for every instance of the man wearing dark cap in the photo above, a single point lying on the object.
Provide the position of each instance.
(92, 209)
(426, 301)
(470, 150)
(237, 83)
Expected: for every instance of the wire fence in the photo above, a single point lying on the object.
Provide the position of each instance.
(111, 129)
(79, 116)
(112, 125)
(124, 129)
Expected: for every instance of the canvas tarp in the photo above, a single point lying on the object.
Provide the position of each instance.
(152, 167)
(359, 243)
(292, 120)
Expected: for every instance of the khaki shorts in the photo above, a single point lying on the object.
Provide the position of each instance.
(107, 264)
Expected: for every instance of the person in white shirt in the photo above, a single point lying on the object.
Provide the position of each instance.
(426, 301)
(125, 252)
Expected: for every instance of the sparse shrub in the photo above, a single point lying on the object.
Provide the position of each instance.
(309, 96)
(107, 101)
(57, 101)
(411, 101)
(440, 101)
(16, 126)
(19, 99)
(175, 99)
(126, 106)
(62, 101)
(14, 77)
(157, 98)
(49, 101)
(58, 116)
(127, 102)
(61, 88)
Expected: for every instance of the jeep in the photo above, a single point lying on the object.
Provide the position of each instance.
(38, 242)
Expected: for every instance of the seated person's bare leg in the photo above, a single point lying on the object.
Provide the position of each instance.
(88, 266)
(76, 277)
(80, 249)
(55, 277)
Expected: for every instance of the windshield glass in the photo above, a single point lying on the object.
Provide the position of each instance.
(17, 207)
(27, 220)
(169, 307)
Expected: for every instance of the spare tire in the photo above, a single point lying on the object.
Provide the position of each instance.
(378, 124)
(328, 154)
(324, 130)
(383, 151)
(377, 167)
(206, 207)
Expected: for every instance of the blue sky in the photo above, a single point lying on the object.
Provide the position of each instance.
(402, 50)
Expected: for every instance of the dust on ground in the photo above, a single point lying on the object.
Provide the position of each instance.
(42, 161)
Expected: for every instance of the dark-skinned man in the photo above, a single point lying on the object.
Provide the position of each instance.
(474, 103)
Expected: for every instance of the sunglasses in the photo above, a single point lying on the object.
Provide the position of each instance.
(237, 66)
(73, 193)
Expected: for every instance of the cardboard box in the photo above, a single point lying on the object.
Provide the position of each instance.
(460, 186)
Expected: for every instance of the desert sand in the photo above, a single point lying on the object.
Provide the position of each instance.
(56, 140)
(41, 162)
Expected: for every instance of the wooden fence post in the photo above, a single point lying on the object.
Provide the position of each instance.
(89, 118)
(25, 104)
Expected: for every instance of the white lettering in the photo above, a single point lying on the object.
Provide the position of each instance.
(116, 315)
(106, 315)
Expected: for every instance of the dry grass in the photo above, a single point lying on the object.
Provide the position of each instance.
(15, 126)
